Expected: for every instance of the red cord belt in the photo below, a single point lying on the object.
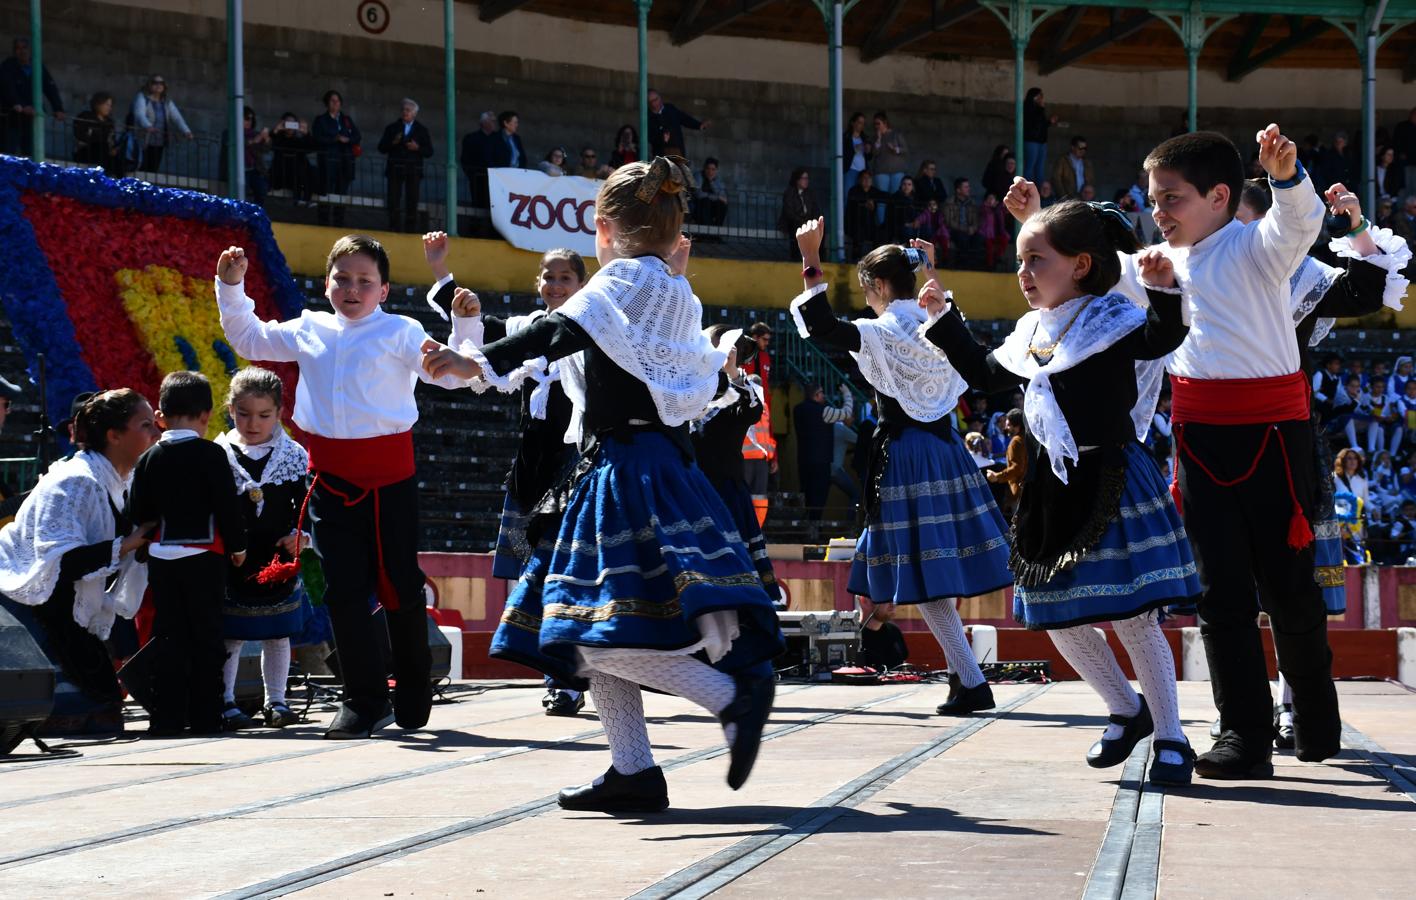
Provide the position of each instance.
(1242, 401)
(370, 464)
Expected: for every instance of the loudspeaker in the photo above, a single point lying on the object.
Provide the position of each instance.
(442, 652)
(26, 683)
(137, 677)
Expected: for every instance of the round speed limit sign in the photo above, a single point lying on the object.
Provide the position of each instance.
(373, 16)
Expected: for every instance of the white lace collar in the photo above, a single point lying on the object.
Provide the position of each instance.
(287, 462)
(898, 362)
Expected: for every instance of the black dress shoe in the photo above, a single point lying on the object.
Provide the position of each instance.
(1316, 737)
(1172, 774)
(1283, 730)
(233, 719)
(967, 700)
(1104, 754)
(413, 703)
(1216, 728)
(748, 713)
(642, 792)
(350, 725)
(279, 715)
(1236, 757)
(561, 703)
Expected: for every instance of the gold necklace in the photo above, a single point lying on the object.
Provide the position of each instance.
(1044, 353)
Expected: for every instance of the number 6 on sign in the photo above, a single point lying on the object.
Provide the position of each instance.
(373, 16)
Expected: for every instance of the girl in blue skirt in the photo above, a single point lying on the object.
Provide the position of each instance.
(269, 469)
(932, 530)
(648, 576)
(530, 518)
(1096, 537)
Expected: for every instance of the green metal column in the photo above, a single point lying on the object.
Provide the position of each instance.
(450, 142)
(837, 220)
(235, 102)
(643, 7)
(1192, 82)
(1019, 91)
(37, 80)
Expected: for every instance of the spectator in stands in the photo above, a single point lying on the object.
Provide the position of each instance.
(1327, 383)
(998, 175)
(862, 200)
(1139, 191)
(759, 446)
(1073, 170)
(478, 149)
(1403, 141)
(1405, 370)
(1036, 122)
(1356, 368)
(928, 185)
(554, 163)
(96, 136)
(1087, 194)
(291, 168)
(813, 419)
(257, 142)
(904, 212)
(626, 147)
(858, 148)
(406, 143)
(961, 218)
(798, 207)
(1390, 177)
(1336, 164)
(1383, 215)
(1382, 491)
(590, 165)
(1045, 195)
(1388, 424)
(1401, 536)
(993, 227)
(16, 98)
(156, 119)
(932, 227)
(1348, 472)
(710, 197)
(338, 142)
(890, 161)
(1404, 222)
(843, 438)
(1016, 467)
(666, 125)
(507, 150)
(977, 445)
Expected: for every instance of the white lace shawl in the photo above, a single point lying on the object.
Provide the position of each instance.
(649, 322)
(288, 461)
(1105, 321)
(69, 509)
(897, 361)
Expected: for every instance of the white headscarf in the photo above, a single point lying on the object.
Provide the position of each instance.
(68, 509)
(1103, 322)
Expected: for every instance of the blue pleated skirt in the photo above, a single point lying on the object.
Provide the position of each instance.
(245, 619)
(937, 533)
(1327, 565)
(513, 550)
(1142, 562)
(645, 547)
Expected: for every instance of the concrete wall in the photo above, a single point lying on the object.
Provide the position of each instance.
(573, 83)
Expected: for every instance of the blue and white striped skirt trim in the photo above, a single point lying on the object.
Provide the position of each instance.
(645, 547)
(1327, 565)
(937, 533)
(1142, 562)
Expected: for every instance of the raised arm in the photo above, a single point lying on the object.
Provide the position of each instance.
(1278, 243)
(1165, 328)
(245, 332)
(811, 309)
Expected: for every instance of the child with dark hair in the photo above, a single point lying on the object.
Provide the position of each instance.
(1095, 537)
(354, 400)
(269, 469)
(1243, 441)
(184, 484)
(933, 532)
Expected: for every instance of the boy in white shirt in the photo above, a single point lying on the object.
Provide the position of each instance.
(1240, 415)
(358, 367)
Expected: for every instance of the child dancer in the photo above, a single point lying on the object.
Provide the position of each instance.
(269, 469)
(648, 568)
(358, 367)
(932, 530)
(184, 484)
(1321, 294)
(542, 456)
(717, 444)
(1095, 538)
(1242, 436)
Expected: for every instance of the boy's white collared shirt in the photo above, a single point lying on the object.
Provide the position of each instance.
(356, 375)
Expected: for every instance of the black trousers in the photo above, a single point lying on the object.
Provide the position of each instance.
(152, 158)
(346, 530)
(186, 633)
(815, 480)
(1240, 538)
(404, 183)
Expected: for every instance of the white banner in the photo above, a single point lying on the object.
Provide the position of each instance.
(536, 211)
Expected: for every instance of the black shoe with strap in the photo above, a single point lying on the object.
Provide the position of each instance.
(233, 719)
(967, 700)
(1234, 757)
(1107, 753)
(1172, 774)
(279, 715)
(748, 715)
(559, 702)
(642, 792)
